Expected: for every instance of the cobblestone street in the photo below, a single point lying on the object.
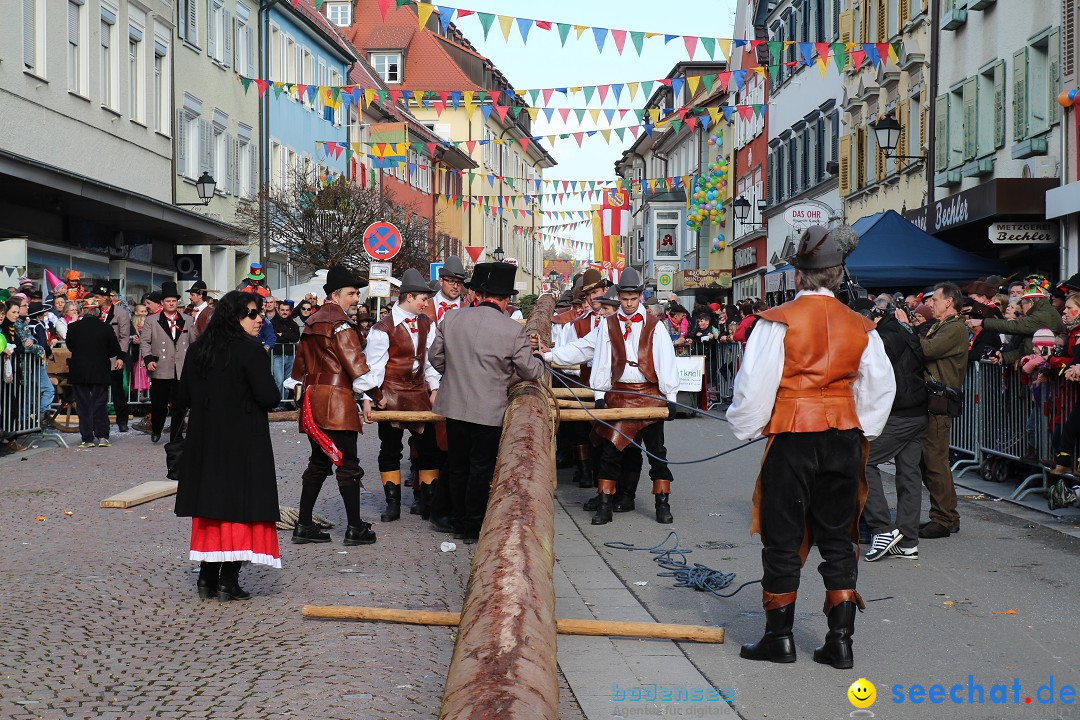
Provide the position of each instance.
(102, 619)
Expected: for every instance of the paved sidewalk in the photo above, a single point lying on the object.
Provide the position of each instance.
(101, 618)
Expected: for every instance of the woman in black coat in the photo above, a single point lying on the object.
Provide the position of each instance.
(227, 481)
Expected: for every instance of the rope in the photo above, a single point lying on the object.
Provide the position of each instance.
(560, 377)
(673, 560)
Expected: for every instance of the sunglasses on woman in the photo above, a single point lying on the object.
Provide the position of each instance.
(252, 314)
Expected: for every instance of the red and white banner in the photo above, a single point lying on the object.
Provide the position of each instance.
(615, 213)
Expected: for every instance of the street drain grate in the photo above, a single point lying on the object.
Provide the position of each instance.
(717, 545)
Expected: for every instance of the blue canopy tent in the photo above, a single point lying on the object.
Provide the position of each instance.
(894, 253)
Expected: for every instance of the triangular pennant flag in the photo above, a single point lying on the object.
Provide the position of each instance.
(676, 125)
(246, 83)
(423, 13)
(746, 112)
(564, 30)
(580, 112)
(884, 50)
(524, 143)
(588, 92)
(600, 34)
(501, 110)
(262, 85)
(506, 22)
(807, 51)
(692, 83)
(647, 88)
(446, 15)
(840, 56)
(602, 90)
(384, 6)
(871, 53)
(637, 38)
(691, 42)
(775, 48)
(524, 25)
(485, 21)
(579, 29)
(619, 36)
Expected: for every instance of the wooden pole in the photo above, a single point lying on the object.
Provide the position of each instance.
(565, 626)
(564, 393)
(576, 404)
(646, 413)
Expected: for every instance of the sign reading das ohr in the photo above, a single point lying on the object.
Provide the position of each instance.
(382, 240)
(803, 215)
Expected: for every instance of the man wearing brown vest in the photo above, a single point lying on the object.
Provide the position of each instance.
(400, 377)
(632, 357)
(329, 358)
(816, 381)
(593, 286)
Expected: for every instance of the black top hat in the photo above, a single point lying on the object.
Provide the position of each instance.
(1071, 285)
(155, 296)
(339, 276)
(199, 286)
(452, 268)
(168, 290)
(101, 288)
(413, 282)
(494, 279)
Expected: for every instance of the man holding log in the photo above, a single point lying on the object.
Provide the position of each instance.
(816, 380)
(477, 351)
(329, 358)
(400, 377)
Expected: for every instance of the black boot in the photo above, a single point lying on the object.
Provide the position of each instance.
(229, 583)
(582, 467)
(662, 491)
(840, 606)
(592, 503)
(393, 502)
(208, 578)
(303, 534)
(626, 492)
(603, 502)
(422, 500)
(361, 534)
(777, 644)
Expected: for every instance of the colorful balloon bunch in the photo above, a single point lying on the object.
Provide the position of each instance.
(707, 200)
(1067, 98)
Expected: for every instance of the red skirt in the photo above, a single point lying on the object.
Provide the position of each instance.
(223, 541)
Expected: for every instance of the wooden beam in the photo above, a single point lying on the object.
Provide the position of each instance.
(564, 393)
(576, 404)
(615, 414)
(565, 626)
(408, 416)
(141, 494)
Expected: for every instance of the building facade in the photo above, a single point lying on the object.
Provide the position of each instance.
(217, 125)
(1063, 202)
(996, 133)
(86, 160)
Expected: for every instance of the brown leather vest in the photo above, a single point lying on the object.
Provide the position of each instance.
(618, 348)
(583, 326)
(403, 388)
(823, 347)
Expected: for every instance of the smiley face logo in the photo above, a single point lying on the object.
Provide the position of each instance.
(862, 693)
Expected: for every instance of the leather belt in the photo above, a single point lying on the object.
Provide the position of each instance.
(336, 379)
(816, 393)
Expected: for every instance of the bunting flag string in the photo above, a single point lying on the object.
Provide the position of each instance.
(809, 54)
(600, 36)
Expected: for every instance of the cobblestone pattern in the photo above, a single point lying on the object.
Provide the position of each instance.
(101, 618)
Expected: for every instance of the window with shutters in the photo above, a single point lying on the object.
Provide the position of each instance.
(893, 22)
(1041, 55)
(834, 137)
(288, 60)
(187, 26)
(985, 112)
(276, 53)
(820, 151)
(969, 100)
(218, 42)
(999, 104)
(859, 160)
(955, 128)
(219, 151)
(1069, 11)
(941, 133)
(136, 65)
(108, 61)
(790, 50)
(807, 159)
(77, 48)
(276, 164)
(915, 130)
(894, 164)
(33, 35)
(871, 157)
(162, 80)
(189, 138)
(846, 25)
(1020, 94)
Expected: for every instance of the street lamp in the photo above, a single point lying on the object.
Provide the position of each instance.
(553, 277)
(887, 132)
(205, 186)
(742, 211)
(498, 253)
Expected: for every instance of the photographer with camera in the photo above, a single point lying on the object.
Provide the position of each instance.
(945, 348)
(899, 442)
(1038, 313)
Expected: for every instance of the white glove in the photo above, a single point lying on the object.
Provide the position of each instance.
(291, 384)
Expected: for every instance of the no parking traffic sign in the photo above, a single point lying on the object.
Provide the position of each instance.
(382, 240)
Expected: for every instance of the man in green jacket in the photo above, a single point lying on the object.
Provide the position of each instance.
(1038, 313)
(945, 347)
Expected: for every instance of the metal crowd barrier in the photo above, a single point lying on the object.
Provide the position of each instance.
(281, 362)
(722, 361)
(1006, 419)
(20, 402)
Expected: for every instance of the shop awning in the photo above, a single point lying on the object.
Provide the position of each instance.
(894, 253)
(780, 279)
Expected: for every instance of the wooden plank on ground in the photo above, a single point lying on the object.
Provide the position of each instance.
(141, 494)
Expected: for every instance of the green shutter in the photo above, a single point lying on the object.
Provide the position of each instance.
(1019, 83)
(999, 104)
(971, 118)
(1053, 75)
(941, 134)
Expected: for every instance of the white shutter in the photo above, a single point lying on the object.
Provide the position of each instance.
(180, 137)
(227, 24)
(211, 39)
(253, 173)
(73, 23)
(250, 46)
(192, 21)
(29, 33)
(206, 147)
(234, 166)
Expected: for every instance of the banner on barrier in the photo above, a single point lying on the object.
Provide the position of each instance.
(691, 372)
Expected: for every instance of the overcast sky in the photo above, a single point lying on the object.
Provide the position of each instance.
(543, 62)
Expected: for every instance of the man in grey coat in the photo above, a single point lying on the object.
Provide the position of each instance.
(477, 351)
(164, 343)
